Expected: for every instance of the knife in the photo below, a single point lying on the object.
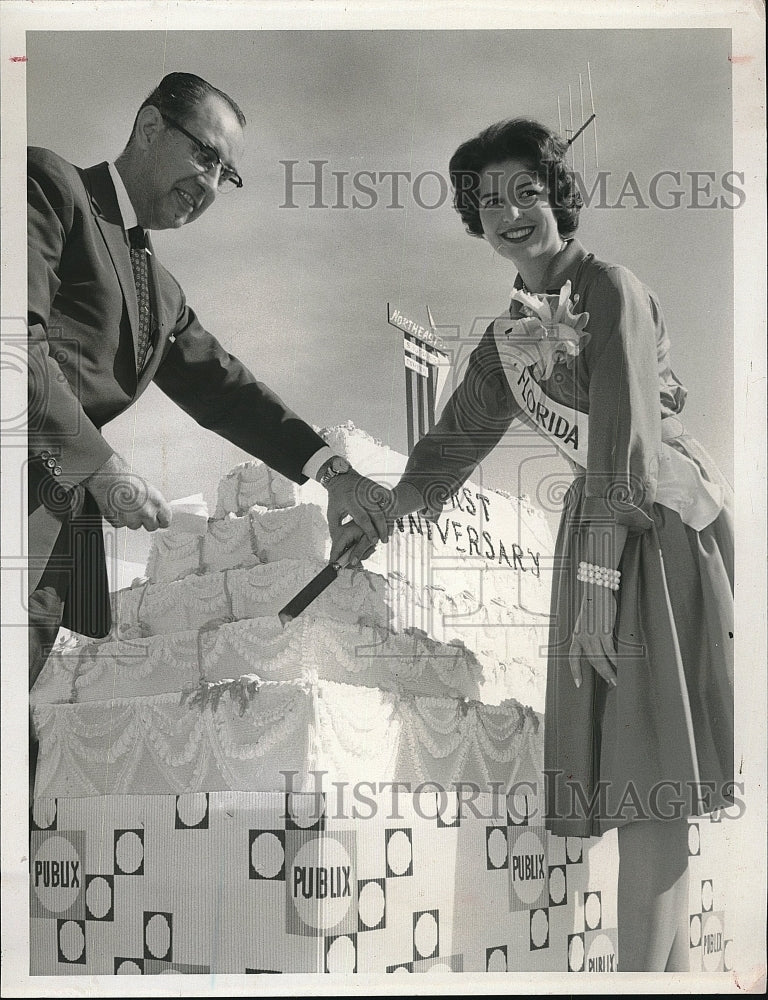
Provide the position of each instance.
(313, 589)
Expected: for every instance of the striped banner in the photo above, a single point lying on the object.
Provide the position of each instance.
(416, 366)
(431, 357)
(426, 368)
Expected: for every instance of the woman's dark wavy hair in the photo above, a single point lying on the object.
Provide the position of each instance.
(542, 151)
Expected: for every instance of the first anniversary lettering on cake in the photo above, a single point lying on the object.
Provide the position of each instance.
(472, 541)
(457, 535)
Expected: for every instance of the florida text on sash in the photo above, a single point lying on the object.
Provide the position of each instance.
(681, 486)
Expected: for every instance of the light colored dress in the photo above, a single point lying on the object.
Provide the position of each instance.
(659, 744)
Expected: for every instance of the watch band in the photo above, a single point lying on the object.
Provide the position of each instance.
(334, 466)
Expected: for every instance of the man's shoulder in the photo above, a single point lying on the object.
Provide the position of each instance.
(41, 160)
(54, 175)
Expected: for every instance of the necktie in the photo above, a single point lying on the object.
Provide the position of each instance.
(138, 241)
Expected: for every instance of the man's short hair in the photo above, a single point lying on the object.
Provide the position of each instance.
(179, 94)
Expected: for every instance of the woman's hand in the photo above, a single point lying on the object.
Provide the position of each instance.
(390, 504)
(593, 634)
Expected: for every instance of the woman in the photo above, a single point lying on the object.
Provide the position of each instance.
(639, 707)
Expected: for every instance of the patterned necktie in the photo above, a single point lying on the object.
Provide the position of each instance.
(138, 241)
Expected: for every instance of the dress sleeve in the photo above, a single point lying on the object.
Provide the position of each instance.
(474, 420)
(624, 405)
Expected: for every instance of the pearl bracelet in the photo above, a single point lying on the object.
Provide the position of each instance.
(601, 576)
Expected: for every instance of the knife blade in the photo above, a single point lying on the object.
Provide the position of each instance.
(312, 590)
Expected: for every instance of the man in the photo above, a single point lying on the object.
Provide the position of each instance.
(105, 320)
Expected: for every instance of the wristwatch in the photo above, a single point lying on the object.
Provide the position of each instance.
(334, 466)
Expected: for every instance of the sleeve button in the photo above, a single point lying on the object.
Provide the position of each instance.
(51, 463)
(44, 455)
(57, 471)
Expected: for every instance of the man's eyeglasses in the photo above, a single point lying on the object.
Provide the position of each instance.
(207, 158)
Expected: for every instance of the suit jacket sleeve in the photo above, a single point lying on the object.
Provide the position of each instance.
(56, 421)
(474, 420)
(222, 395)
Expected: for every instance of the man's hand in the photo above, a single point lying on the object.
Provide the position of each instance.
(390, 504)
(351, 536)
(354, 496)
(125, 499)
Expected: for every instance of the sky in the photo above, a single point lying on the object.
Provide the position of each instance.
(300, 294)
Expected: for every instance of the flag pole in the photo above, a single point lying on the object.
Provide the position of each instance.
(409, 406)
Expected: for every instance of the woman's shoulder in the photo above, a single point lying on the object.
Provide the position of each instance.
(608, 272)
(612, 282)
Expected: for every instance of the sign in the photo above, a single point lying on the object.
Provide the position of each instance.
(415, 366)
(396, 318)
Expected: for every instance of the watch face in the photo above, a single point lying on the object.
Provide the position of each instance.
(335, 467)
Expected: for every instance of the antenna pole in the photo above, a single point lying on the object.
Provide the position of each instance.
(592, 108)
(583, 147)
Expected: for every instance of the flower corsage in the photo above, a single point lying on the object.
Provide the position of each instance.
(549, 331)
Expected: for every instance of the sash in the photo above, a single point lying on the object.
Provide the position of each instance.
(681, 485)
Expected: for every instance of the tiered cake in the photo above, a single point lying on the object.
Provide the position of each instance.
(174, 829)
(427, 663)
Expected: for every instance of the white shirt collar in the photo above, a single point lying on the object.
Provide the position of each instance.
(127, 211)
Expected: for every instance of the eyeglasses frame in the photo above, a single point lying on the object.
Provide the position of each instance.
(211, 152)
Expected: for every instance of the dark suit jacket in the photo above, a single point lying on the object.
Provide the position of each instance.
(83, 338)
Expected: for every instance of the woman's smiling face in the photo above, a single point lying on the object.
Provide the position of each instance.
(515, 212)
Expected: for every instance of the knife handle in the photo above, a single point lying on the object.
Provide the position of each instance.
(307, 594)
(343, 559)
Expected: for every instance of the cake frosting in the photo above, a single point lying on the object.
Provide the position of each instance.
(486, 543)
(304, 651)
(449, 614)
(258, 536)
(245, 735)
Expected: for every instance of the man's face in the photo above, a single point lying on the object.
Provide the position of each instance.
(175, 189)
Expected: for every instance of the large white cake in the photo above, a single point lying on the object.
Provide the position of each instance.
(176, 827)
(428, 663)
